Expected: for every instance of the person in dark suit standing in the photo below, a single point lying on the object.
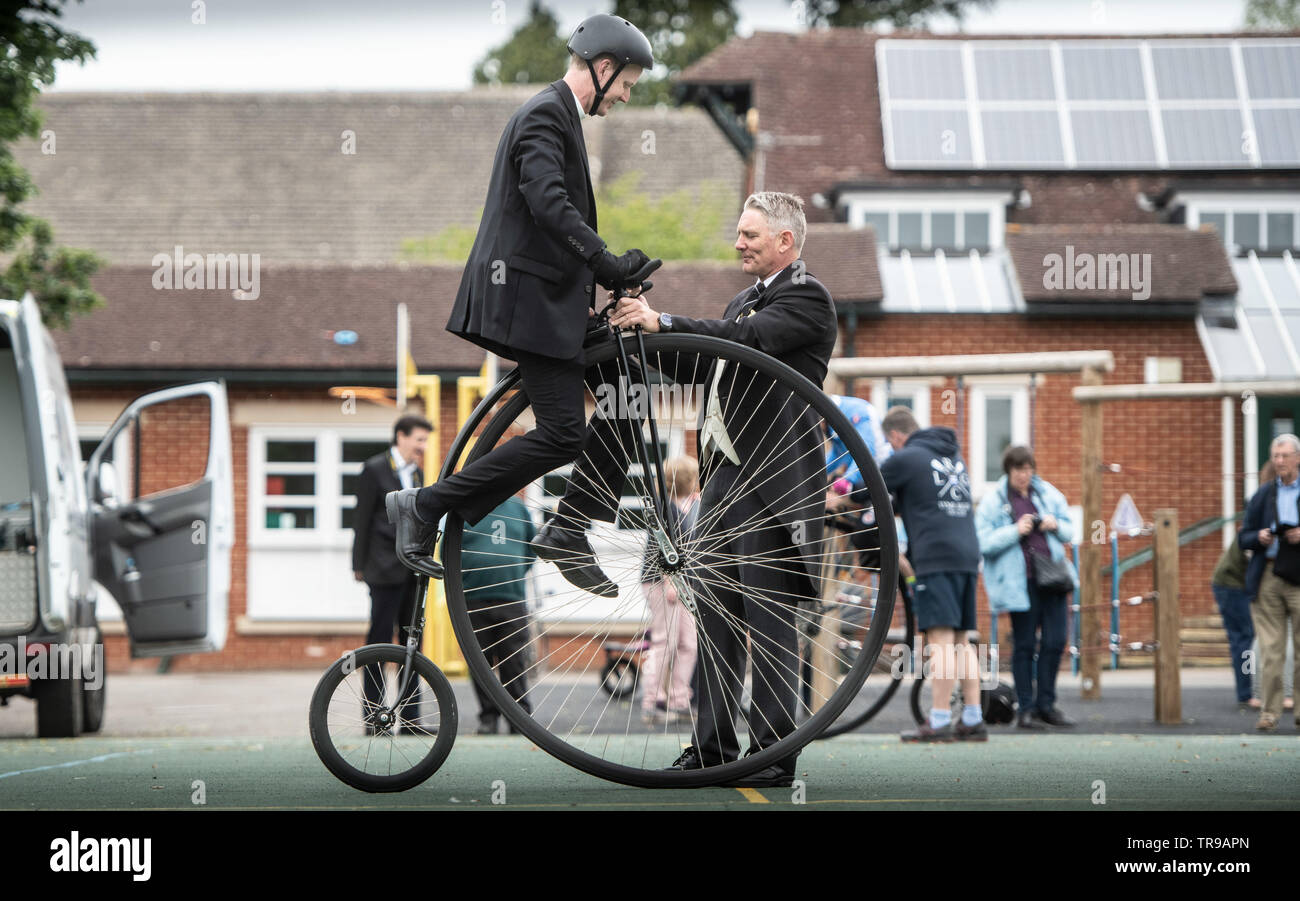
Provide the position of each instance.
(768, 534)
(529, 289)
(374, 558)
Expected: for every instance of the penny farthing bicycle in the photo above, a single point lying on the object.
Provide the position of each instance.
(646, 393)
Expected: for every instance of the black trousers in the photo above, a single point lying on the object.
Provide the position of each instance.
(1036, 683)
(758, 556)
(502, 630)
(391, 610)
(556, 389)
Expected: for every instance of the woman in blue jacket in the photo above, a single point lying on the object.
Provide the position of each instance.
(1024, 516)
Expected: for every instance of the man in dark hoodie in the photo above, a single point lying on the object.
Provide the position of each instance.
(931, 487)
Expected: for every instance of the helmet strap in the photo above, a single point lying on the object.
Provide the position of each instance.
(601, 91)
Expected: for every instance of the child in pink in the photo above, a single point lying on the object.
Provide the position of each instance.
(671, 658)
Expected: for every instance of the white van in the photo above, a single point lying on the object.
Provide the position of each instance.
(67, 537)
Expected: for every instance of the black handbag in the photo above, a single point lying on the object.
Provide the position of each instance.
(1052, 576)
(1286, 566)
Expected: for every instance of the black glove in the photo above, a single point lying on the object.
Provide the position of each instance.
(613, 272)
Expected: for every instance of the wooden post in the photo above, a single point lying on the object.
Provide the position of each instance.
(1090, 562)
(1169, 621)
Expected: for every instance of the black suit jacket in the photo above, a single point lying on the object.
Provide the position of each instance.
(1261, 513)
(795, 323)
(526, 285)
(374, 551)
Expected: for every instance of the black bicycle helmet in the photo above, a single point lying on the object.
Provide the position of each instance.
(602, 35)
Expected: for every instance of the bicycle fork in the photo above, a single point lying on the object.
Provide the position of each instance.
(413, 637)
(663, 528)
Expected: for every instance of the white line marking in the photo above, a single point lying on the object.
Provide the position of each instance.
(55, 766)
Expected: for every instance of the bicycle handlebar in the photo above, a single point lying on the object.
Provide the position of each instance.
(638, 279)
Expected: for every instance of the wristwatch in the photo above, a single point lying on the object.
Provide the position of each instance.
(665, 322)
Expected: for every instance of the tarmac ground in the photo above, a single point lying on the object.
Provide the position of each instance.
(244, 736)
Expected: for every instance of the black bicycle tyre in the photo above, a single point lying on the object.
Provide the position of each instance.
(618, 678)
(486, 427)
(857, 722)
(323, 741)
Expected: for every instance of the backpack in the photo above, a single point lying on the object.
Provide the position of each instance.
(999, 704)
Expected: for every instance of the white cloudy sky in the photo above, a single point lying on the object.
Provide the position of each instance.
(302, 45)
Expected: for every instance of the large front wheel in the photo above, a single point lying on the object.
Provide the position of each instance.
(756, 574)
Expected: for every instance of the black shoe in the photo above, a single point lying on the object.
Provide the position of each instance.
(416, 538)
(775, 776)
(927, 733)
(487, 725)
(1026, 720)
(1055, 717)
(570, 551)
(977, 732)
(690, 760)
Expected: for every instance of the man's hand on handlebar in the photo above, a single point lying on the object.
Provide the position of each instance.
(634, 311)
(616, 272)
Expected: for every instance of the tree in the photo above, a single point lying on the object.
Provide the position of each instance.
(1273, 15)
(58, 277)
(533, 54)
(688, 224)
(899, 13)
(680, 32)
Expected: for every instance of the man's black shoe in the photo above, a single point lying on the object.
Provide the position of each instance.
(690, 760)
(773, 777)
(416, 538)
(487, 725)
(570, 551)
(1026, 720)
(1055, 717)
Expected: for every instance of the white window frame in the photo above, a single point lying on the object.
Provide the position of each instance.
(1230, 203)
(917, 389)
(329, 470)
(979, 392)
(860, 203)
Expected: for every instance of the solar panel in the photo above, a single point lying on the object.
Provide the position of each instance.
(1101, 137)
(1279, 135)
(1272, 71)
(927, 73)
(1193, 73)
(1217, 103)
(1014, 73)
(932, 136)
(1027, 138)
(1103, 73)
(1197, 138)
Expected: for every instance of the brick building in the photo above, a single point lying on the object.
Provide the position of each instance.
(985, 165)
(934, 236)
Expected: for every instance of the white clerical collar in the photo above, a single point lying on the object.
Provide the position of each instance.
(582, 113)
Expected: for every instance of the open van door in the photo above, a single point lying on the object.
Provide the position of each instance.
(165, 555)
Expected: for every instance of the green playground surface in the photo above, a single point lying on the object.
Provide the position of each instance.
(854, 772)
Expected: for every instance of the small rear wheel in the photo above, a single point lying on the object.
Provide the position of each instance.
(369, 737)
(618, 678)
